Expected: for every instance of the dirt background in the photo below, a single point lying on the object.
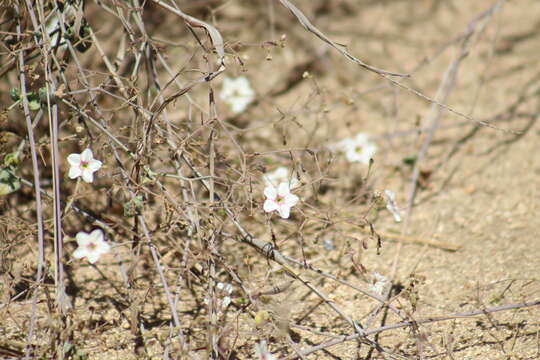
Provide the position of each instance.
(478, 189)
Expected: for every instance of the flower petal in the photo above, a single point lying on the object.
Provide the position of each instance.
(93, 257)
(237, 106)
(94, 165)
(291, 200)
(97, 235)
(226, 302)
(270, 192)
(87, 155)
(74, 159)
(88, 176)
(79, 253)
(74, 172)
(353, 156)
(346, 144)
(361, 139)
(283, 189)
(82, 238)
(104, 247)
(284, 211)
(270, 205)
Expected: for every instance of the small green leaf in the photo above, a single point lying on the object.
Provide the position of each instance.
(43, 94)
(8, 182)
(33, 101)
(15, 94)
(34, 105)
(410, 160)
(12, 160)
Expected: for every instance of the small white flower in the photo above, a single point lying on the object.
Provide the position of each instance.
(225, 289)
(357, 149)
(83, 165)
(91, 246)
(261, 351)
(391, 204)
(281, 174)
(237, 93)
(328, 244)
(225, 302)
(280, 199)
(379, 284)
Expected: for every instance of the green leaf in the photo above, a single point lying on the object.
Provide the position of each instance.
(410, 160)
(15, 94)
(34, 105)
(8, 182)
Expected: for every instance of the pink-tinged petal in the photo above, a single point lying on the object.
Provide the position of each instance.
(270, 192)
(79, 253)
(284, 211)
(88, 176)
(87, 155)
(74, 172)
(283, 189)
(74, 159)
(270, 205)
(291, 200)
(94, 165)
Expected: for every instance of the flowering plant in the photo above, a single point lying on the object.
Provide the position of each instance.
(237, 93)
(83, 165)
(279, 175)
(280, 199)
(357, 149)
(91, 246)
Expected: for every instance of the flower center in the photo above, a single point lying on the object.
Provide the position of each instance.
(358, 148)
(84, 164)
(280, 199)
(92, 246)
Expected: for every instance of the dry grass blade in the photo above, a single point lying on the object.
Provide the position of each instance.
(403, 324)
(304, 21)
(215, 36)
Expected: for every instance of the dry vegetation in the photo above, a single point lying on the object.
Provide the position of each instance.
(180, 194)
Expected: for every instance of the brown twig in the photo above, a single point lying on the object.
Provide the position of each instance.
(454, 316)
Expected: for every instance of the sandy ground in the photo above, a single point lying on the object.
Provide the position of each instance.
(478, 192)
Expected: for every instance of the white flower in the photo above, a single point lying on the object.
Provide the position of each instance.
(262, 351)
(83, 165)
(281, 174)
(357, 149)
(380, 283)
(237, 93)
(91, 246)
(391, 204)
(225, 289)
(328, 244)
(280, 199)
